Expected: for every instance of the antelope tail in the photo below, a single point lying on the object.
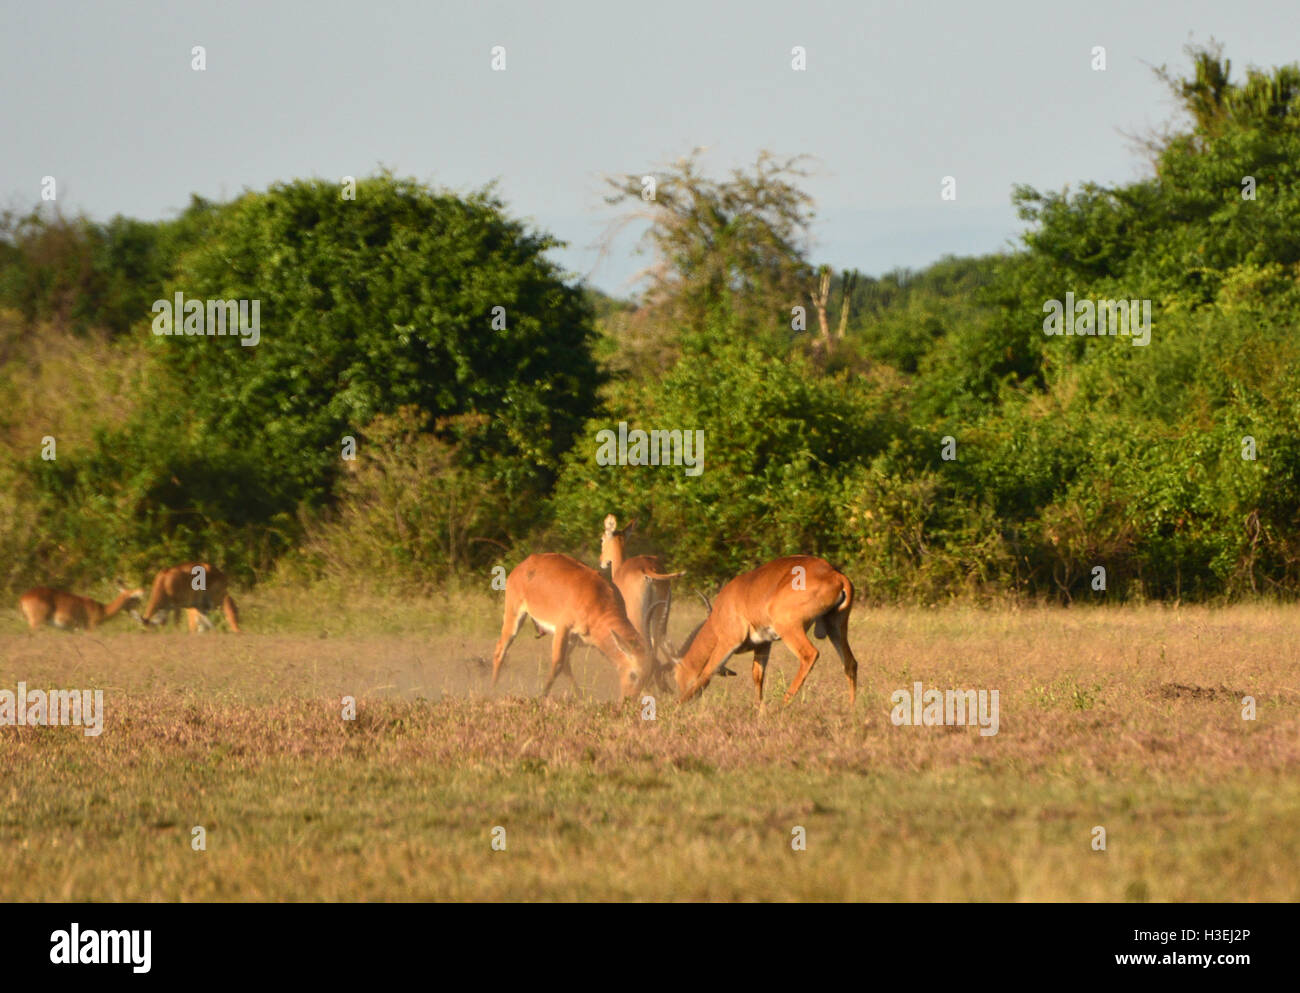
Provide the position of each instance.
(662, 575)
(842, 603)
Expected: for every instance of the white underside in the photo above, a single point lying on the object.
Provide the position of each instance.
(542, 625)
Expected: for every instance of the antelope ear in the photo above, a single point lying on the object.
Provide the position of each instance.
(623, 646)
(627, 529)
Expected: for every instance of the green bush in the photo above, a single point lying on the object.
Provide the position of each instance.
(778, 438)
(411, 516)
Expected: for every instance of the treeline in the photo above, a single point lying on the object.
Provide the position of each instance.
(920, 429)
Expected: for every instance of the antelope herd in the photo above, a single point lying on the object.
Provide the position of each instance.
(195, 587)
(623, 616)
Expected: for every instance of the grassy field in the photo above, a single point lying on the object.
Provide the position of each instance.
(1124, 718)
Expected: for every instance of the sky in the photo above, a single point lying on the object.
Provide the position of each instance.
(894, 97)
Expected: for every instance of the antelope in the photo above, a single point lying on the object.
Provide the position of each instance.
(644, 588)
(67, 611)
(778, 601)
(195, 587)
(572, 601)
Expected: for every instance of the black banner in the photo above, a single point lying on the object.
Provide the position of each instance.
(950, 943)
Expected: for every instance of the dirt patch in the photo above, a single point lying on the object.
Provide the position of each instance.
(1181, 691)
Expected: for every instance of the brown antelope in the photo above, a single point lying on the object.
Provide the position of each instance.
(196, 588)
(67, 611)
(572, 601)
(645, 589)
(778, 601)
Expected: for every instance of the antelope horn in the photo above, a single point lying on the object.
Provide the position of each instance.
(668, 649)
(650, 615)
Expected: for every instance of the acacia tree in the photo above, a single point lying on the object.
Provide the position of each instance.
(730, 251)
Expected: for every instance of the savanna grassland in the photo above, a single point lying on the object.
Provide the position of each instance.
(1125, 718)
(389, 433)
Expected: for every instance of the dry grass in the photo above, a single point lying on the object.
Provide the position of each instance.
(54, 382)
(1125, 718)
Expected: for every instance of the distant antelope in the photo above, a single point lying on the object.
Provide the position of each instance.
(572, 601)
(195, 587)
(645, 588)
(778, 601)
(67, 611)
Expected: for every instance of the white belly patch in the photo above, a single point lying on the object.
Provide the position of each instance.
(541, 625)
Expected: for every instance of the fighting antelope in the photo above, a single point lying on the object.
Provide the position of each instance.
(778, 601)
(572, 601)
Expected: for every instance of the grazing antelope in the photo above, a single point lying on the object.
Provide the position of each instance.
(778, 601)
(646, 590)
(66, 611)
(572, 601)
(195, 587)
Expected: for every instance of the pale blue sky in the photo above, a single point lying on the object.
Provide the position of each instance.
(895, 97)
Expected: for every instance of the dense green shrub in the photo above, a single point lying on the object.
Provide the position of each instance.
(410, 515)
(372, 304)
(778, 438)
